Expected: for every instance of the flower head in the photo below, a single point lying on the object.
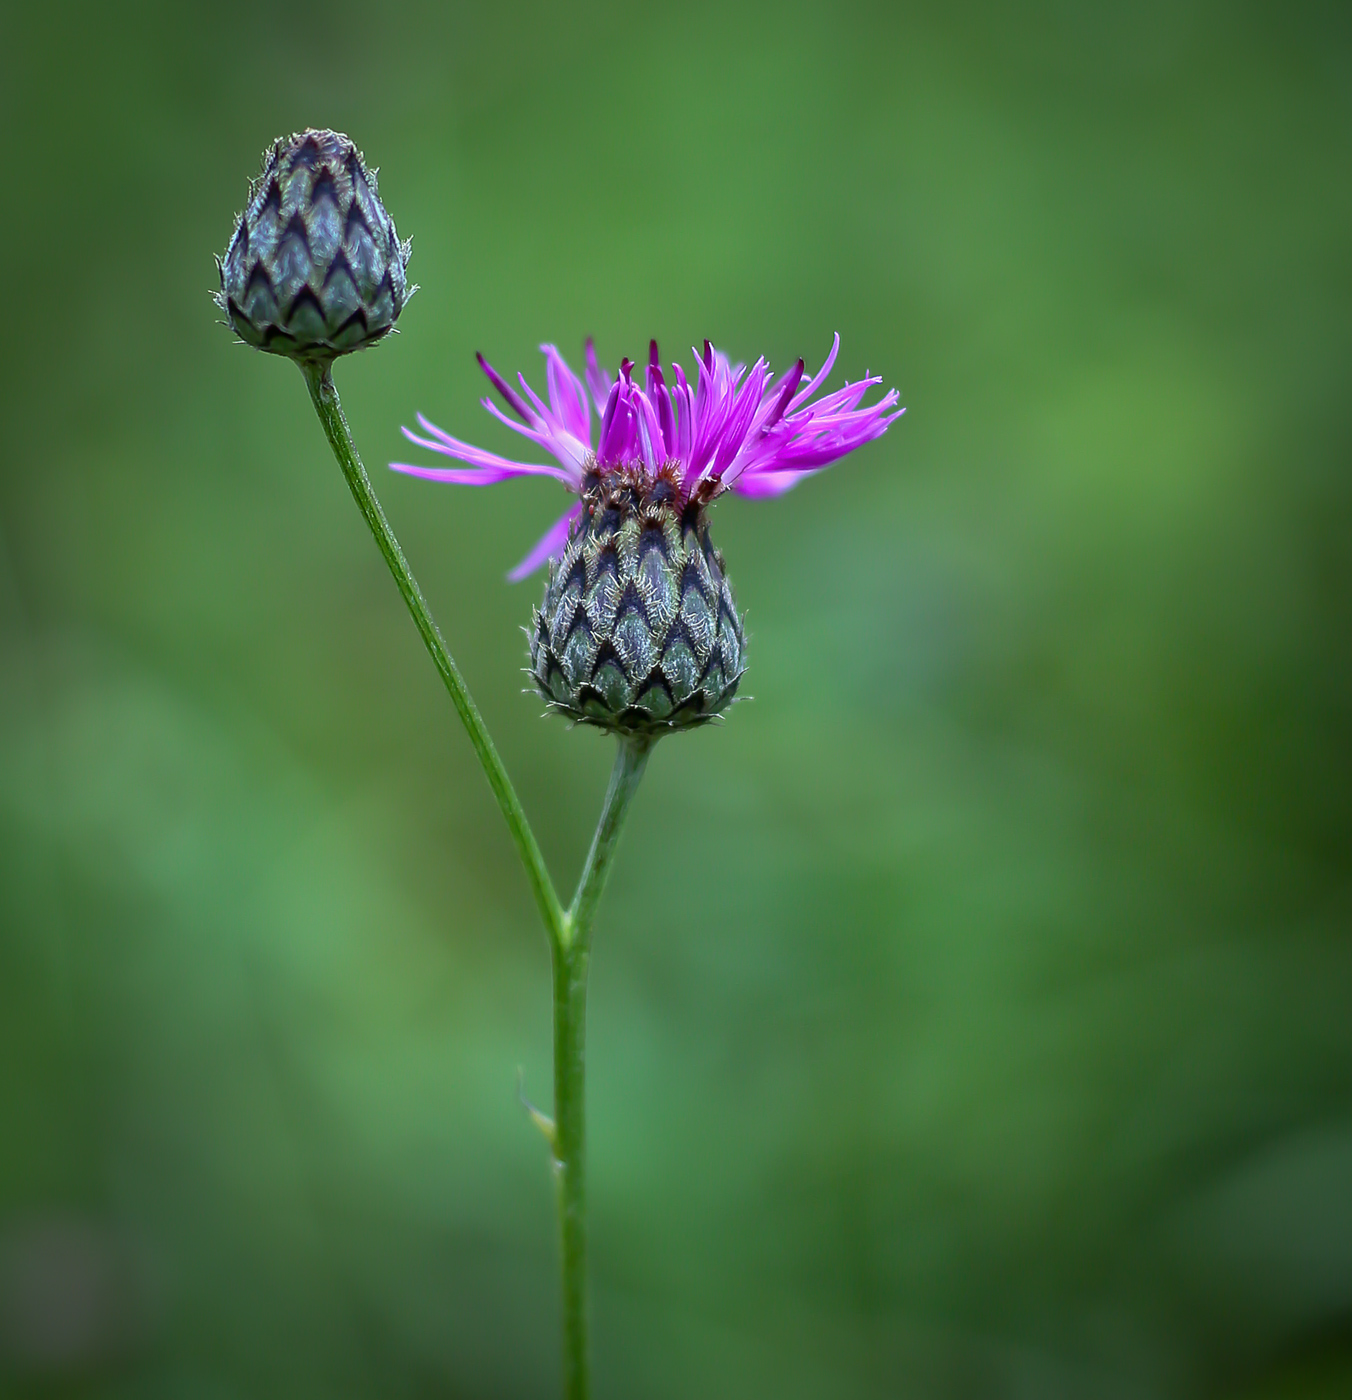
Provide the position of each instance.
(728, 430)
(638, 631)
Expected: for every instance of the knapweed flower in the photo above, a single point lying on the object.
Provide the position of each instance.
(638, 631)
(315, 268)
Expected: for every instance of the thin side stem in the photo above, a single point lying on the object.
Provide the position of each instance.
(571, 958)
(630, 762)
(324, 394)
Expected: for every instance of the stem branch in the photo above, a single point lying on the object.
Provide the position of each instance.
(324, 394)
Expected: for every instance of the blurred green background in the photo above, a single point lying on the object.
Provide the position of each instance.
(972, 1012)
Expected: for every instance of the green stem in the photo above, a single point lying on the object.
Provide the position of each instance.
(571, 957)
(630, 761)
(325, 397)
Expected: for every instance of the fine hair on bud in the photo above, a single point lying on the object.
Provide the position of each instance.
(315, 268)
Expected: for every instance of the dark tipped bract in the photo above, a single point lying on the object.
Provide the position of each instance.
(315, 268)
(638, 632)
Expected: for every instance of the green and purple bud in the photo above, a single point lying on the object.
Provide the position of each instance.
(638, 631)
(315, 268)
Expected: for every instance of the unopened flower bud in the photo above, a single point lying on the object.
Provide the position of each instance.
(315, 268)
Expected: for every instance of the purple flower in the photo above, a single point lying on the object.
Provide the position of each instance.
(730, 430)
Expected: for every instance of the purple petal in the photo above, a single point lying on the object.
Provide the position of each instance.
(650, 433)
(490, 461)
(608, 411)
(737, 426)
(430, 427)
(514, 399)
(766, 484)
(819, 378)
(598, 379)
(551, 543)
(530, 430)
(661, 402)
(739, 421)
(618, 441)
(566, 397)
(537, 403)
(791, 382)
(458, 476)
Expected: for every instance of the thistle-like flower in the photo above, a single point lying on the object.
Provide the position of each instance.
(638, 632)
(315, 268)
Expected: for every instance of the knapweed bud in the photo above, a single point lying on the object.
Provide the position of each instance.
(638, 632)
(315, 268)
